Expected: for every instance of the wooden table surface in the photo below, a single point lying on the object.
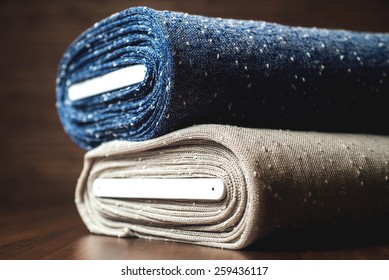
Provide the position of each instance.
(39, 164)
(57, 232)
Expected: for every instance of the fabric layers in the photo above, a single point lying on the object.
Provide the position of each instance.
(275, 180)
(213, 70)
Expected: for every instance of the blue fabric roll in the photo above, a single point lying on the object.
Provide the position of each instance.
(213, 70)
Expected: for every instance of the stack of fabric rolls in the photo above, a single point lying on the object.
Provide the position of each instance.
(290, 121)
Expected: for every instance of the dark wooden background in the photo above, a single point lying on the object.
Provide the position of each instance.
(39, 164)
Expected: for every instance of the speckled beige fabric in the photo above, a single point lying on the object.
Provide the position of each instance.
(275, 179)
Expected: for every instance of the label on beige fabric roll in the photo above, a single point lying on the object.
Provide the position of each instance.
(211, 189)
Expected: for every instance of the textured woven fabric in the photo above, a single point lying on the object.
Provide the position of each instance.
(212, 70)
(276, 180)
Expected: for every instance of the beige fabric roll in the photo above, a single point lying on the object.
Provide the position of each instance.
(275, 179)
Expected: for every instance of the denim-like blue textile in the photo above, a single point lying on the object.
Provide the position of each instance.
(213, 70)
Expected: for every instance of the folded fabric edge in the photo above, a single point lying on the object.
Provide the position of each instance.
(135, 36)
(245, 232)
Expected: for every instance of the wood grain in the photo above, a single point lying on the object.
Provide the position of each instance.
(56, 232)
(40, 165)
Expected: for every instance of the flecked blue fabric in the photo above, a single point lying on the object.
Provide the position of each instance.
(213, 70)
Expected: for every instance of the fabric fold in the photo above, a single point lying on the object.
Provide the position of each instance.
(210, 70)
(275, 180)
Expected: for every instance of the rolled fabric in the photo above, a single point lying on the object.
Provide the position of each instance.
(142, 73)
(275, 180)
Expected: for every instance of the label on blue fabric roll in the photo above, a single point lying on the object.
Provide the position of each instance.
(211, 189)
(121, 78)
